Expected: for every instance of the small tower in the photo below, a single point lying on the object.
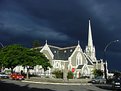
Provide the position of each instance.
(90, 49)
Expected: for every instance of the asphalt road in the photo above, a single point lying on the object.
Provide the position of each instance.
(12, 85)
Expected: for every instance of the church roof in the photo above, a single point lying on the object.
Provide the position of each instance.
(80, 66)
(62, 53)
(89, 60)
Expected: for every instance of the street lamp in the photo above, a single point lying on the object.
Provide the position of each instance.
(110, 44)
(105, 65)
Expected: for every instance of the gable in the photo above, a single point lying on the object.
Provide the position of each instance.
(46, 50)
(47, 54)
(85, 70)
(78, 55)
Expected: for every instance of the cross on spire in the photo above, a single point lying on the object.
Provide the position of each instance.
(78, 42)
(46, 41)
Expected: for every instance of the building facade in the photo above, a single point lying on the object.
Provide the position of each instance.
(73, 58)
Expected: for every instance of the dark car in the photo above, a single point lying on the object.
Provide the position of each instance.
(116, 84)
(98, 80)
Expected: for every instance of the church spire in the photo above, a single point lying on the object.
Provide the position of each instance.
(90, 49)
(90, 41)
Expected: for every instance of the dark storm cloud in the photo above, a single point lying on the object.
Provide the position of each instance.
(43, 20)
(21, 18)
(64, 16)
(106, 20)
(63, 19)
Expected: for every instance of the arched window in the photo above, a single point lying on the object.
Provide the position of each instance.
(85, 71)
(79, 59)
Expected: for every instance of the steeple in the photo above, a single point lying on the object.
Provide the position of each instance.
(90, 41)
(90, 49)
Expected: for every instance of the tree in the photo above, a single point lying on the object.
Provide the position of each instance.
(117, 74)
(35, 43)
(14, 55)
(11, 55)
(98, 72)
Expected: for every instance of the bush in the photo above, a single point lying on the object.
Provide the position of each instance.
(109, 81)
(70, 75)
(97, 72)
(58, 73)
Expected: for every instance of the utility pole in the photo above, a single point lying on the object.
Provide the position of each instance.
(1, 60)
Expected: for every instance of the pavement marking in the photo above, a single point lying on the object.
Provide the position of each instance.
(57, 83)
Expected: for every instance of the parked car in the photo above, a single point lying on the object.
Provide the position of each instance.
(116, 84)
(3, 75)
(17, 76)
(98, 80)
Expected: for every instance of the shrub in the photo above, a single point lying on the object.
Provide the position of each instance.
(98, 72)
(70, 75)
(58, 73)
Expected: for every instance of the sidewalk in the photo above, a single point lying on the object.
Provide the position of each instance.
(57, 81)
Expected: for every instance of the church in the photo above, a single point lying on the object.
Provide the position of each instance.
(73, 58)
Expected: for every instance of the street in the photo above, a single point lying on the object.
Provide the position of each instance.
(13, 85)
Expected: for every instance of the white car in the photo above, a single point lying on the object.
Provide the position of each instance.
(2, 75)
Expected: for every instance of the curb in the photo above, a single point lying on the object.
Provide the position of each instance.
(51, 83)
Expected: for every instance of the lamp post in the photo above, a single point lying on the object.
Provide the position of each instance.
(110, 44)
(105, 64)
(2, 47)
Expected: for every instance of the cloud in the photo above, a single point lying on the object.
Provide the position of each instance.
(20, 23)
(108, 13)
(35, 21)
(60, 17)
(47, 33)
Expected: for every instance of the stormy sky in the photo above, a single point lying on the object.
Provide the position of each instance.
(63, 23)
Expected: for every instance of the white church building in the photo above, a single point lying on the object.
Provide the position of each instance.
(73, 58)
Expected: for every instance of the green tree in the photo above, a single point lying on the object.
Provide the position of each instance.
(35, 43)
(11, 55)
(98, 72)
(14, 55)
